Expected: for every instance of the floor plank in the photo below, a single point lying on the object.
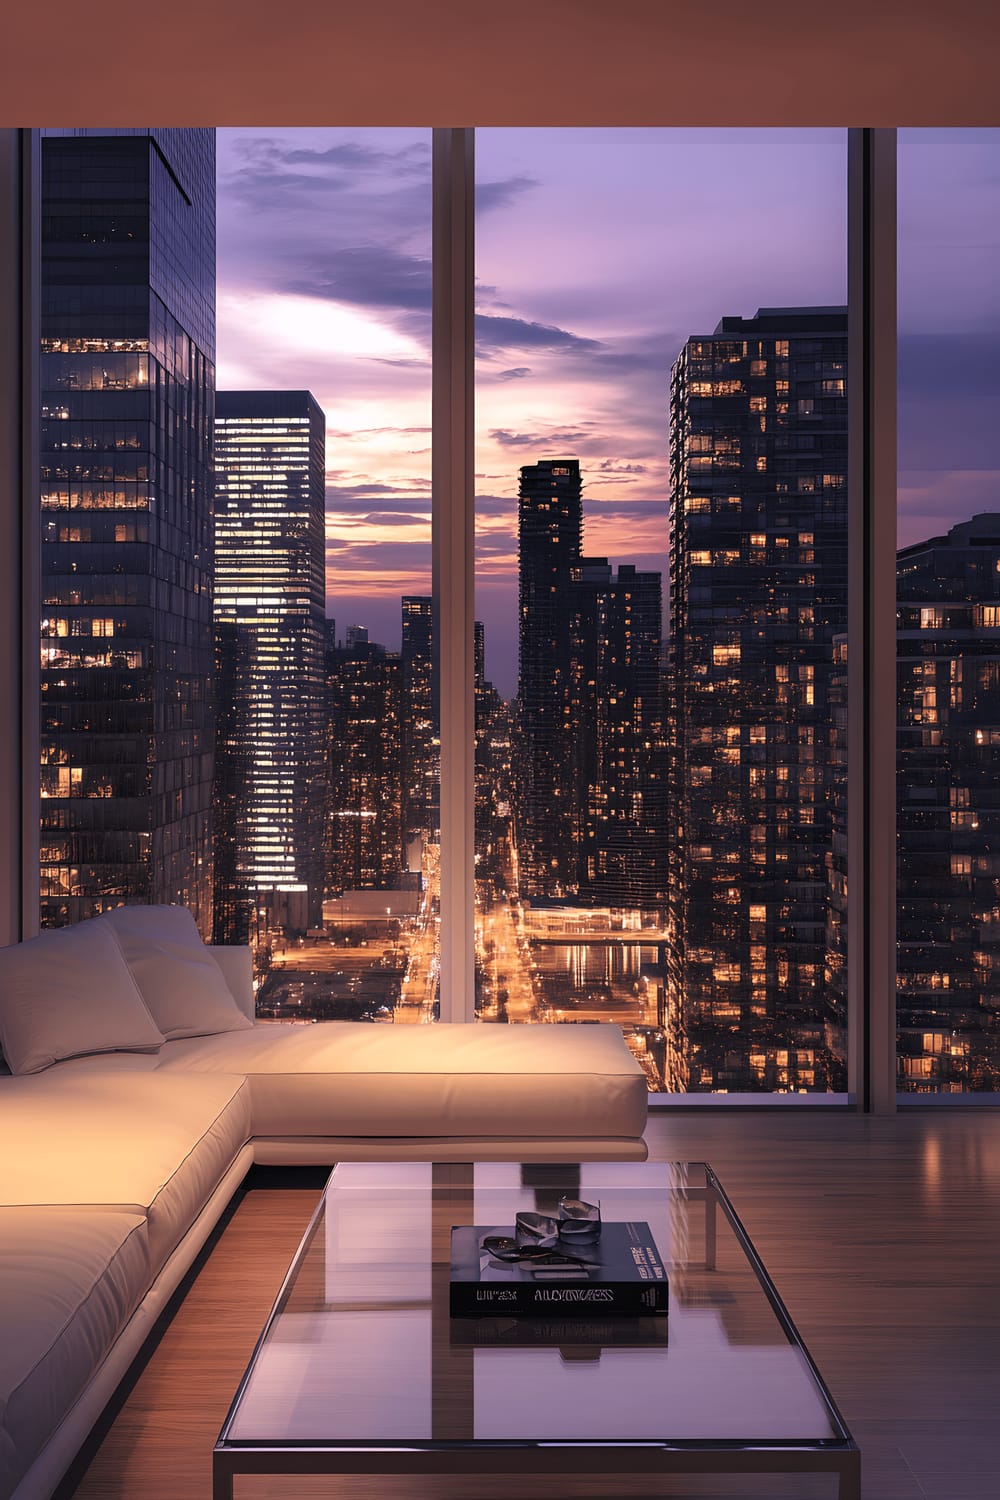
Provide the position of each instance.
(160, 1444)
(880, 1234)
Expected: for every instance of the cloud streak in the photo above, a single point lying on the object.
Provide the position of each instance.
(494, 333)
(375, 276)
(551, 439)
(503, 193)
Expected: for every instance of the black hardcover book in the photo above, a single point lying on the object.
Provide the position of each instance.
(622, 1275)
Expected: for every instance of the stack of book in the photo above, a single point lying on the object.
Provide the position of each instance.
(619, 1275)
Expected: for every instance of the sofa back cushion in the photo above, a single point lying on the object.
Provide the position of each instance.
(178, 978)
(67, 993)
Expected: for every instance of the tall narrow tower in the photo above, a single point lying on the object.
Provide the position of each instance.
(269, 611)
(758, 592)
(421, 752)
(624, 823)
(127, 379)
(366, 804)
(550, 530)
(591, 753)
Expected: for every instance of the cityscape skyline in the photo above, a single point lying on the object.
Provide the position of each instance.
(580, 233)
(661, 838)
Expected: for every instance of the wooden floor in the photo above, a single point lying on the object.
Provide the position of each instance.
(882, 1236)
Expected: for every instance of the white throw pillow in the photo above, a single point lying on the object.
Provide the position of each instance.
(178, 978)
(67, 993)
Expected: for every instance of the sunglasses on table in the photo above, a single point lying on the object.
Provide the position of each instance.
(504, 1247)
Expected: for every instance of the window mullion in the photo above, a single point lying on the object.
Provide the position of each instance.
(871, 752)
(19, 579)
(453, 531)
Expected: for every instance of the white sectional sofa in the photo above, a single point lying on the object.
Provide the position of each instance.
(140, 1090)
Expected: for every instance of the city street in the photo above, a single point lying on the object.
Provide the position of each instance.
(502, 954)
(420, 982)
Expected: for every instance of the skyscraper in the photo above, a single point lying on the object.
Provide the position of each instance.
(948, 871)
(421, 742)
(127, 378)
(758, 591)
(550, 534)
(494, 793)
(364, 701)
(623, 854)
(591, 746)
(269, 612)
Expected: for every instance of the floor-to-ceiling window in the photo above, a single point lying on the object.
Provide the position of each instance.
(662, 596)
(660, 585)
(948, 597)
(280, 279)
(325, 286)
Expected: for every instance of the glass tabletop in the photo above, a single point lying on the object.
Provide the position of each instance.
(360, 1349)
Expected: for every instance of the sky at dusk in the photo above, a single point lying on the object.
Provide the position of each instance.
(599, 252)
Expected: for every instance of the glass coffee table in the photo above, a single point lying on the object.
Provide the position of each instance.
(360, 1368)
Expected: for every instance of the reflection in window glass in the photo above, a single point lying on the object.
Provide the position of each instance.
(661, 580)
(948, 592)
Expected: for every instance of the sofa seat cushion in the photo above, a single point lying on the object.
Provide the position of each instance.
(339, 1078)
(149, 1143)
(70, 1279)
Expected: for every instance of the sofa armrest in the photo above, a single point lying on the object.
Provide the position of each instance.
(236, 963)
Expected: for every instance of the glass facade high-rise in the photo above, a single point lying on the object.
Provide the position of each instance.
(758, 611)
(550, 537)
(364, 702)
(623, 855)
(948, 777)
(592, 782)
(421, 749)
(494, 789)
(269, 612)
(127, 381)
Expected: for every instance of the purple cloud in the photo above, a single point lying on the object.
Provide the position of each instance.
(494, 333)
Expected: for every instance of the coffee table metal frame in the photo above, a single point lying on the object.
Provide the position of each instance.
(839, 1456)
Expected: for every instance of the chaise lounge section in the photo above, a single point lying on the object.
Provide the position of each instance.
(119, 1162)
